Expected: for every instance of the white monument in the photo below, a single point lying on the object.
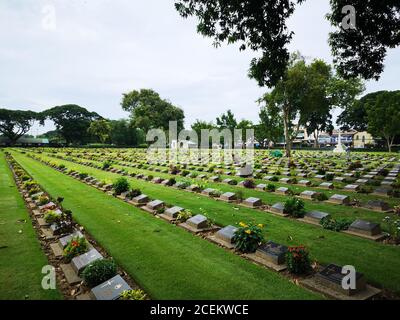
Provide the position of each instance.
(339, 148)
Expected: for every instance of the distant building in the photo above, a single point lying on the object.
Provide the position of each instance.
(25, 141)
(362, 140)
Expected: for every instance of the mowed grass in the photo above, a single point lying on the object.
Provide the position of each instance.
(21, 257)
(336, 211)
(379, 262)
(168, 262)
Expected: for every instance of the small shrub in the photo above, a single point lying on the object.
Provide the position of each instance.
(184, 185)
(248, 237)
(295, 208)
(329, 177)
(355, 165)
(121, 185)
(134, 193)
(366, 189)
(239, 195)
(321, 196)
(83, 175)
(233, 182)
(271, 187)
(51, 217)
(393, 226)
(106, 165)
(298, 260)
(171, 182)
(275, 179)
(75, 247)
(133, 295)
(98, 272)
(184, 173)
(249, 184)
(43, 200)
(184, 215)
(335, 225)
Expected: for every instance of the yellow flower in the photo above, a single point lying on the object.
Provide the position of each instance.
(261, 225)
(243, 225)
(248, 231)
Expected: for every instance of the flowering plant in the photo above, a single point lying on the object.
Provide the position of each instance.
(75, 247)
(393, 227)
(248, 237)
(298, 260)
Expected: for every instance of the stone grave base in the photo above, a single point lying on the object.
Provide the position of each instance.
(84, 296)
(284, 215)
(194, 230)
(167, 217)
(250, 206)
(70, 274)
(337, 203)
(121, 197)
(149, 210)
(221, 242)
(277, 267)
(57, 250)
(309, 221)
(37, 213)
(378, 237)
(47, 234)
(42, 222)
(315, 285)
(377, 210)
(136, 204)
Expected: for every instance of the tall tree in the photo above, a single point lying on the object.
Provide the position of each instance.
(72, 121)
(270, 128)
(123, 133)
(261, 26)
(199, 125)
(100, 129)
(361, 51)
(227, 121)
(16, 123)
(327, 91)
(305, 97)
(149, 111)
(383, 114)
(258, 25)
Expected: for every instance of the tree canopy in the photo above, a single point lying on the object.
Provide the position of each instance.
(383, 115)
(100, 129)
(16, 123)
(361, 51)
(262, 27)
(149, 111)
(71, 121)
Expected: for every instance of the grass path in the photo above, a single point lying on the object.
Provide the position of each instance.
(168, 262)
(379, 262)
(21, 257)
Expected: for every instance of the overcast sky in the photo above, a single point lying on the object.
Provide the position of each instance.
(98, 49)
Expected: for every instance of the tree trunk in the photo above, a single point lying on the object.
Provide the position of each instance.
(287, 138)
(390, 143)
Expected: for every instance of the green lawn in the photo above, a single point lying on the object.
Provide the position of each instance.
(336, 211)
(21, 257)
(168, 262)
(379, 262)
